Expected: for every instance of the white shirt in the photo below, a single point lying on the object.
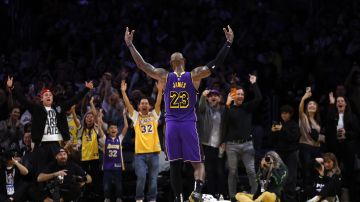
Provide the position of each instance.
(51, 131)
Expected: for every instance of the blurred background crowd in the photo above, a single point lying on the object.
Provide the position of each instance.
(288, 45)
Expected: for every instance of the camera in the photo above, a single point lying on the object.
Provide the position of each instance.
(268, 159)
(79, 179)
(317, 165)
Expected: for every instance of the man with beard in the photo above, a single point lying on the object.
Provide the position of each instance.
(209, 127)
(237, 135)
(67, 175)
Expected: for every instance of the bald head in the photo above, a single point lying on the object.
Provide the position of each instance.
(177, 60)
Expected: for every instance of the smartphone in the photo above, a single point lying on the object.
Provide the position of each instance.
(308, 89)
(233, 92)
(275, 123)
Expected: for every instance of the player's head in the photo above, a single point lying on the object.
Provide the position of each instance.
(46, 97)
(144, 105)
(177, 60)
(112, 129)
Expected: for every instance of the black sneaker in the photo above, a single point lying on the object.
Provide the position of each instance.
(179, 198)
(195, 197)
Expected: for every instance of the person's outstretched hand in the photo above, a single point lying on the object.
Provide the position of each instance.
(129, 35)
(229, 34)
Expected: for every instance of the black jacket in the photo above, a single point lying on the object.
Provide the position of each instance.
(287, 139)
(326, 186)
(237, 120)
(350, 125)
(39, 115)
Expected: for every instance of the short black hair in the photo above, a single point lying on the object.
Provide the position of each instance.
(287, 108)
(112, 123)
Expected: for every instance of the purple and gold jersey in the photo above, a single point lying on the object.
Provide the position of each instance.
(112, 154)
(180, 97)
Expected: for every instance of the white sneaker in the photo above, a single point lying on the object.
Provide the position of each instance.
(139, 200)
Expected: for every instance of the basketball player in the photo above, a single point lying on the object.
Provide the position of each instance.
(182, 141)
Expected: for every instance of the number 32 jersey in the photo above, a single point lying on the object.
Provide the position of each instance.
(146, 133)
(180, 97)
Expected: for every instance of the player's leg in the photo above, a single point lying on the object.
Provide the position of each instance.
(174, 154)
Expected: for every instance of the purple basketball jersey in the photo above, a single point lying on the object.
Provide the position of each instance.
(112, 154)
(180, 97)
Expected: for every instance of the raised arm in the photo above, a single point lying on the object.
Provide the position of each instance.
(128, 105)
(160, 87)
(126, 124)
(301, 105)
(73, 114)
(88, 86)
(19, 96)
(205, 71)
(93, 110)
(155, 73)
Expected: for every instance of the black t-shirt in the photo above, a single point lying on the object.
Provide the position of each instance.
(72, 170)
(8, 177)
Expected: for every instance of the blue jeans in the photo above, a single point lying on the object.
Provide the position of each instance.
(146, 163)
(112, 178)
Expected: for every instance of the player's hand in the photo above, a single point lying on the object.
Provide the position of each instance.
(129, 35)
(123, 86)
(229, 34)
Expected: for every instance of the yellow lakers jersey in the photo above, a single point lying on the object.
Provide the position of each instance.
(146, 133)
(72, 129)
(89, 144)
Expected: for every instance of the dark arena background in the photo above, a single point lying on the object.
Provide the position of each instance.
(287, 45)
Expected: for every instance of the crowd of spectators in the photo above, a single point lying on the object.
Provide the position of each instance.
(288, 45)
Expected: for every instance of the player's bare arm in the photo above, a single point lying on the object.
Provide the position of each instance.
(160, 88)
(204, 71)
(155, 73)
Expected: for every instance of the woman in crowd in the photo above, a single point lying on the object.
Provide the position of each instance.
(342, 130)
(328, 183)
(310, 136)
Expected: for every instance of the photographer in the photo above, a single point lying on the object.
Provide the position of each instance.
(12, 187)
(271, 178)
(328, 183)
(64, 178)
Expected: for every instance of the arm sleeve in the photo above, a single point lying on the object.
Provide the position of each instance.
(220, 57)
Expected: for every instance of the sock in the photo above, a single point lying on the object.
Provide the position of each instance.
(176, 177)
(198, 186)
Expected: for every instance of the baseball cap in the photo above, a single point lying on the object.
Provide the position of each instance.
(60, 150)
(213, 92)
(44, 90)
